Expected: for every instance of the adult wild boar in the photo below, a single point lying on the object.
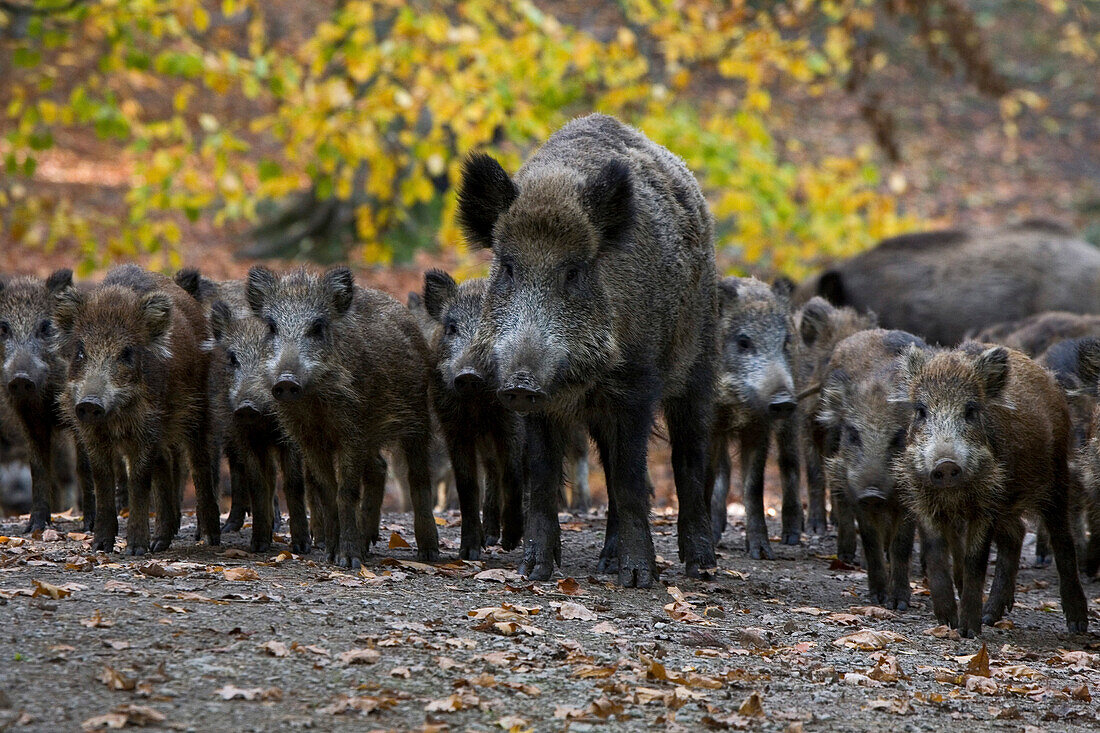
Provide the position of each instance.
(1035, 334)
(601, 305)
(939, 285)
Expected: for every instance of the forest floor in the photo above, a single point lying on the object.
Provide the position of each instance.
(202, 638)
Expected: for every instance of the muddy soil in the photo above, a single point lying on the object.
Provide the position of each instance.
(201, 638)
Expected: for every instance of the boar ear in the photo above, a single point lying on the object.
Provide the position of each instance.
(220, 318)
(833, 392)
(608, 198)
(485, 193)
(439, 290)
(340, 284)
(67, 303)
(992, 368)
(815, 319)
(59, 280)
(189, 279)
(258, 288)
(156, 315)
(727, 292)
(413, 301)
(783, 287)
(830, 286)
(898, 341)
(909, 364)
(1088, 362)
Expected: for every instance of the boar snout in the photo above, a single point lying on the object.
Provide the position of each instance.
(782, 404)
(522, 393)
(21, 386)
(946, 474)
(247, 411)
(91, 410)
(287, 388)
(468, 380)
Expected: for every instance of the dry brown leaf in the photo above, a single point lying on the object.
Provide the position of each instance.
(978, 664)
(513, 723)
(397, 542)
(570, 587)
(811, 610)
(97, 621)
(503, 612)
(402, 672)
(873, 612)
(156, 569)
(498, 575)
(1004, 624)
(359, 656)
(895, 706)
(275, 648)
(858, 678)
(887, 669)
(1081, 692)
(603, 708)
(753, 706)
(116, 680)
(592, 671)
(453, 703)
(236, 553)
(845, 619)
(51, 535)
(232, 692)
(1017, 672)
(570, 611)
(981, 685)
(124, 715)
(366, 704)
(241, 573)
(56, 592)
(605, 627)
(868, 639)
(943, 631)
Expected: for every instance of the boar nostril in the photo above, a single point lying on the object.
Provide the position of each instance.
(782, 405)
(468, 380)
(90, 410)
(21, 386)
(522, 396)
(247, 410)
(946, 473)
(287, 388)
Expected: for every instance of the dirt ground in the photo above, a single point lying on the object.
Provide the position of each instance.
(202, 638)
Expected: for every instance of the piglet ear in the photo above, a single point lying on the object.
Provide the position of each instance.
(992, 368)
(815, 319)
(156, 315)
(439, 290)
(59, 280)
(908, 367)
(261, 281)
(608, 198)
(783, 287)
(340, 284)
(728, 292)
(67, 304)
(220, 318)
(834, 390)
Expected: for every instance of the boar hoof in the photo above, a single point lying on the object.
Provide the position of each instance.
(537, 571)
(136, 550)
(897, 604)
(491, 539)
(89, 523)
(1043, 561)
(847, 557)
(300, 547)
(160, 545)
(760, 551)
(695, 570)
(428, 554)
(1077, 627)
(103, 544)
(233, 524)
(348, 559)
(637, 577)
(259, 545)
(608, 565)
(36, 524)
(469, 553)
(792, 538)
(816, 525)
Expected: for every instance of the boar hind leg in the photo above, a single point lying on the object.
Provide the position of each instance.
(137, 524)
(261, 482)
(609, 554)
(933, 550)
(507, 464)
(900, 555)
(491, 497)
(42, 483)
(166, 502)
(754, 456)
(205, 456)
(689, 418)
(370, 506)
(975, 561)
(873, 559)
(541, 534)
(815, 488)
(786, 441)
(1009, 538)
(420, 489)
(294, 489)
(720, 490)
(1042, 547)
(240, 487)
(1055, 517)
(627, 479)
(844, 519)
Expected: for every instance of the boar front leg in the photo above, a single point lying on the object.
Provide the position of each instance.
(542, 536)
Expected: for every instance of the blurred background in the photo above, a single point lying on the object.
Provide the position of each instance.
(220, 132)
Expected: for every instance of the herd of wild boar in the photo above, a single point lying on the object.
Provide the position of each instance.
(940, 386)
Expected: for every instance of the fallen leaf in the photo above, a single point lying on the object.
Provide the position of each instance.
(97, 621)
(116, 680)
(873, 612)
(592, 671)
(453, 703)
(56, 592)
(241, 573)
(980, 684)
(1004, 624)
(603, 708)
(232, 692)
(943, 631)
(752, 707)
(398, 542)
(887, 669)
(895, 706)
(844, 619)
(570, 587)
(402, 672)
(512, 723)
(359, 656)
(1017, 672)
(497, 575)
(979, 663)
(811, 610)
(1081, 692)
(569, 611)
(124, 715)
(868, 639)
(275, 648)
(51, 535)
(605, 627)
(236, 552)
(156, 569)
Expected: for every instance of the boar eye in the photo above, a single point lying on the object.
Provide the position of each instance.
(920, 412)
(851, 434)
(126, 356)
(572, 275)
(451, 329)
(971, 411)
(45, 328)
(231, 357)
(506, 273)
(79, 353)
(5, 330)
(272, 329)
(317, 328)
(899, 438)
(744, 343)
